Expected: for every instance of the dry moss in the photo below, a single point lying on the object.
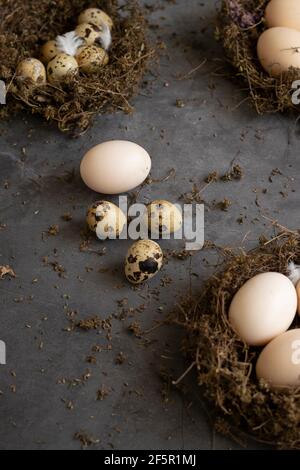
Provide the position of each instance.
(240, 24)
(26, 25)
(226, 366)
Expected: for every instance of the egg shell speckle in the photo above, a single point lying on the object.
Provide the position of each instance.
(91, 58)
(143, 261)
(33, 69)
(60, 67)
(106, 220)
(90, 33)
(163, 218)
(95, 16)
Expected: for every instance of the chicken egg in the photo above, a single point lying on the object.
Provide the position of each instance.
(49, 51)
(90, 33)
(279, 362)
(263, 308)
(143, 261)
(298, 295)
(33, 69)
(278, 49)
(163, 218)
(91, 58)
(60, 67)
(283, 13)
(95, 16)
(106, 220)
(115, 167)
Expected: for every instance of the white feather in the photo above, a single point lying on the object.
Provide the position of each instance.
(294, 272)
(105, 36)
(69, 43)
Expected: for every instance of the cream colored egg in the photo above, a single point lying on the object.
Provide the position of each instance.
(283, 13)
(90, 33)
(91, 59)
(163, 218)
(106, 220)
(279, 362)
(115, 167)
(263, 308)
(49, 51)
(278, 49)
(33, 69)
(60, 67)
(143, 261)
(95, 16)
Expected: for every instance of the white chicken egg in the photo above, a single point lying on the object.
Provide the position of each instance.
(283, 13)
(278, 49)
(106, 220)
(143, 261)
(91, 59)
(279, 362)
(60, 67)
(95, 16)
(115, 167)
(33, 69)
(162, 218)
(263, 308)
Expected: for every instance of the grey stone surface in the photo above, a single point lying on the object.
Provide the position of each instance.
(211, 130)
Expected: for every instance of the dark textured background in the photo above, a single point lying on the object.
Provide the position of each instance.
(211, 130)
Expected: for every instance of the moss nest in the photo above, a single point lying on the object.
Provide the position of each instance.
(240, 23)
(26, 25)
(243, 406)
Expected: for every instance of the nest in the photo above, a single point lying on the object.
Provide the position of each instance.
(240, 24)
(226, 366)
(26, 25)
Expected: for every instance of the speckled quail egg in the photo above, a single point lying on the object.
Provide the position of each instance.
(163, 218)
(60, 67)
(33, 69)
(91, 58)
(95, 16)
(143, 261)
(90, 33)
(106, 220)
(49, 51)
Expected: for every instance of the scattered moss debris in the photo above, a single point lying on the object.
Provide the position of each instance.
(25, 26)
(225, 365)
(6, 271)
(85, 439)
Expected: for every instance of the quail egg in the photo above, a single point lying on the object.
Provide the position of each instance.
(33, 69)
(163, 218)
(49, 51)
(96, 17)
(91, 58)
(143, 261)
(60, 67)
(90, 33)
(106, 220)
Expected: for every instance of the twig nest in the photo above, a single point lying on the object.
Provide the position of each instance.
(49, 51)
(95, 16)
(90, 33)
(60, 67)
(243, 404)
(143, 261)
(106, 220)
(33, 69)
(91, 58)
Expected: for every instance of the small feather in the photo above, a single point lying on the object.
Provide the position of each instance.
(69, 43)
(105, 38)
(294, 272)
